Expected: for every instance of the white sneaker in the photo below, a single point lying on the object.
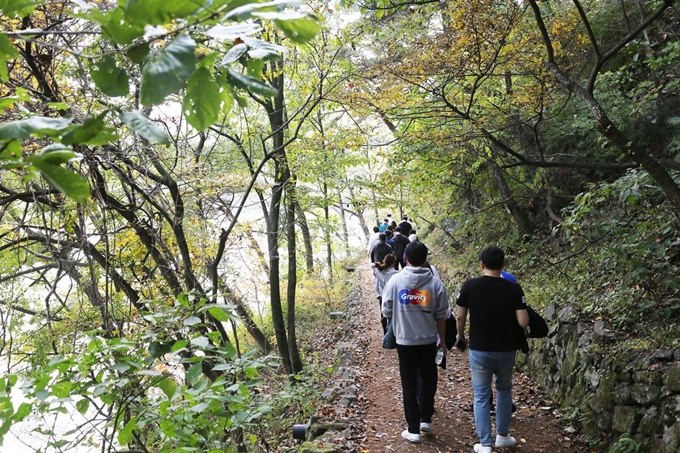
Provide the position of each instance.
(505, 441)
(479, 448)
(426, 427)
(411, 437)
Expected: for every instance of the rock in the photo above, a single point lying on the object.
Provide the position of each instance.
(592, 376)
(672, 379)
(661, 356)
(550, 312)
(645, 394)
(626, 419)
(671, 439)
(601, 332)
(622, 395)
(585, 340)
(568, 315)
(651, 423)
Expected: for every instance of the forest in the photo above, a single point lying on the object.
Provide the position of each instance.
(184, 183)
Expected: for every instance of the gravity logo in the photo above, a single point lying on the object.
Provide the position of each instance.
(415, 297)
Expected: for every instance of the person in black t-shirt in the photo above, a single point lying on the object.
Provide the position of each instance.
(497, 307)
(405, 225)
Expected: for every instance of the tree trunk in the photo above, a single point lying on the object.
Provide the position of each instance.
(359, 210)
(343, 221)
(274, 262)
(306, 237)
(251, 326)
(295, 360)
(509, 201)
(326, 230)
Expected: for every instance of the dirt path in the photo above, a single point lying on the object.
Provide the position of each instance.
(537, 424)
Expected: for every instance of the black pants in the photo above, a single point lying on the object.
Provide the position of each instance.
(418, 374)
(383, 320)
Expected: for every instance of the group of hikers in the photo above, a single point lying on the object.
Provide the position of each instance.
(415, 304)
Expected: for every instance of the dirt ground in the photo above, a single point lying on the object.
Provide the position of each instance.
(537, 424)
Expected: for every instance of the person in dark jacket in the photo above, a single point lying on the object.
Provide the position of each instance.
(405, 225)
(400, 243)
(381, 249)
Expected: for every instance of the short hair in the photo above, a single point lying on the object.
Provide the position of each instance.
(398, 229)
(376, 229)
(382, 237)
(412, 231)
(416, 253)
(405, 217)
(385, 220)
(492, 257)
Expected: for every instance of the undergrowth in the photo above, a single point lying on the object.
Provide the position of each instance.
(615, 257)
(293, 400)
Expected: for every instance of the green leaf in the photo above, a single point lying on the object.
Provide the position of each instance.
(138, 53)
(19, 7)
(69, 183)
(192, 321)
(181, 344)
(165, 74)
(264, 50)
(219, 313)
(200, 342)
(168, 387)
(247, 11)
(157, 12)
(194, 372)
(183, 300)
(231, 32)
(229, 350)
(8, 102)
(83, 405)
(62, 389)
(58, 106)
(85, 132)
(22, 129)
(55, 154)
(234, 54)
(249, 83)
(109, 78)
(299, 30)
(200, 407)
(202, 100)
(158, 348)
(139, 123)
(121, 367)
(125, 434)
(119, 29)
(7, 51)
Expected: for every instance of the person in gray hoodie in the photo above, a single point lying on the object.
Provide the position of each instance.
(416, 302)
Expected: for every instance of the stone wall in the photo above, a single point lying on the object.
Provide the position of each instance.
(630, 395)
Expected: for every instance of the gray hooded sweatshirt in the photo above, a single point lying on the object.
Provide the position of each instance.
(415, 300)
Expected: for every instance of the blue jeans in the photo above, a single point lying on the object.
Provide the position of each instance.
(484, 366)
(418, 374)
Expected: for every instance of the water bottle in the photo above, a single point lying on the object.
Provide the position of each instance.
(440, 356)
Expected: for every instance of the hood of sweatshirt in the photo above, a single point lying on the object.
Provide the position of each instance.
(416, 277)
